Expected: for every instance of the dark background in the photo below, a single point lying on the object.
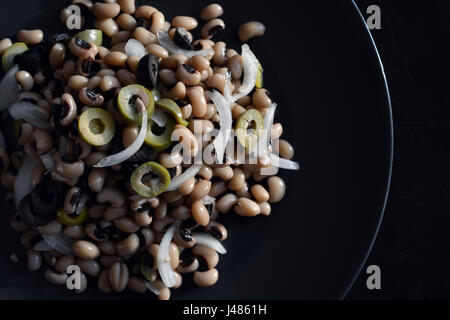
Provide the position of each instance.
(413, 245)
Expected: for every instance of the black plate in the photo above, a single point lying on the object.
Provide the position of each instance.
(323, 70)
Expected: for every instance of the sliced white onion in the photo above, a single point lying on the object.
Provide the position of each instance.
(173, 48)
(209, 241)
(152, 288)
(135, 48)
(185, 176)
(263, 143)
(226, 122)
(24, 110)
(131, 150)
(42, 246)
(276, 161)
(2, 141)
(82, 203)
(9, 88)
(48, 161)
(23, 183)
(165, 269)
(208, 200)
(61, 243)
(160, 118)
(250, 73)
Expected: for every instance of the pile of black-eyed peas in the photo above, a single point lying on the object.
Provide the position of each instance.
(95, 176)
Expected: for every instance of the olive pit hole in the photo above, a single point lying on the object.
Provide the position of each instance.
(97, 126)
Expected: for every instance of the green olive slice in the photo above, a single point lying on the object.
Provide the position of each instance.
(16, 127)
(12, 52)
(126, 103)
(96, 126)
(146, 266)
(92, 36)
(159, 138)
(173, 109)
(156, 94)
(71, 220)
(150, 179)
(248, 128)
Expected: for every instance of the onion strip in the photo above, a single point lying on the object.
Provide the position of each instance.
(250, 73)
(152, 288)
(31, 113)
(264, 139)
(165, 269)
(185, 176)
(209, 241)
(135, 48)
(61, 243)
(226, 122)
(276, 161)
(133, 148)
(23, 184)
(9, 88)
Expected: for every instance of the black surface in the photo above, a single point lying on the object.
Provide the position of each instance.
(321, 68)
(413, 246)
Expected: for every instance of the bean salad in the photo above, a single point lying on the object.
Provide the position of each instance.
(132, 138)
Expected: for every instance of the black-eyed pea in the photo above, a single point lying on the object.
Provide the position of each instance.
(157, 50)
(170, 160)
(117, 59)
(25, 80)
(217, 188)
(145, 37)
(174, 255)
(236, 65)
(251, 30)
(178, 92)
(164, 291)
(76, 232)
(108, 261)
(30, 37)
(206, 278)
(261, 99)
(200, 213)
(107, 247)
(225, 173)
(109, 83)
(276, 132)
(188, 75)
(55, 278)
(161, 211)
(187, 187)
(113, 196)
(212, 11)
(244, 101)
(103, 281)
(137, 285)
(105, 10)
(86, 250)
(127, 6)
(197, 98)
(209, 255)
(126, 77)
(188, 265)
(63, 263)
(128, 246)
(34, 260)
(173, 61)
(201, 190)
(5, 44)
(91, 98)
(265, 208)
(246, 207)
(118, 47)
(188, 23)
(133, 62)
(145, 12)
(217, 230)
(260, 193)
(186, 111)
(168, 77)
(238, 180)
(286, 150)
(90, 267)
(212, 27)
(220, 57)
(118, 276)
(277, 189)
(181, 213)
(97, 178)
(126, 21)
(108, 26)
(157, 22)
(126, 224)
(199, 63)
(206, 172)
(211, 111)
(77, 82)
(57, 55)
(244, 192)
(218, 81)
